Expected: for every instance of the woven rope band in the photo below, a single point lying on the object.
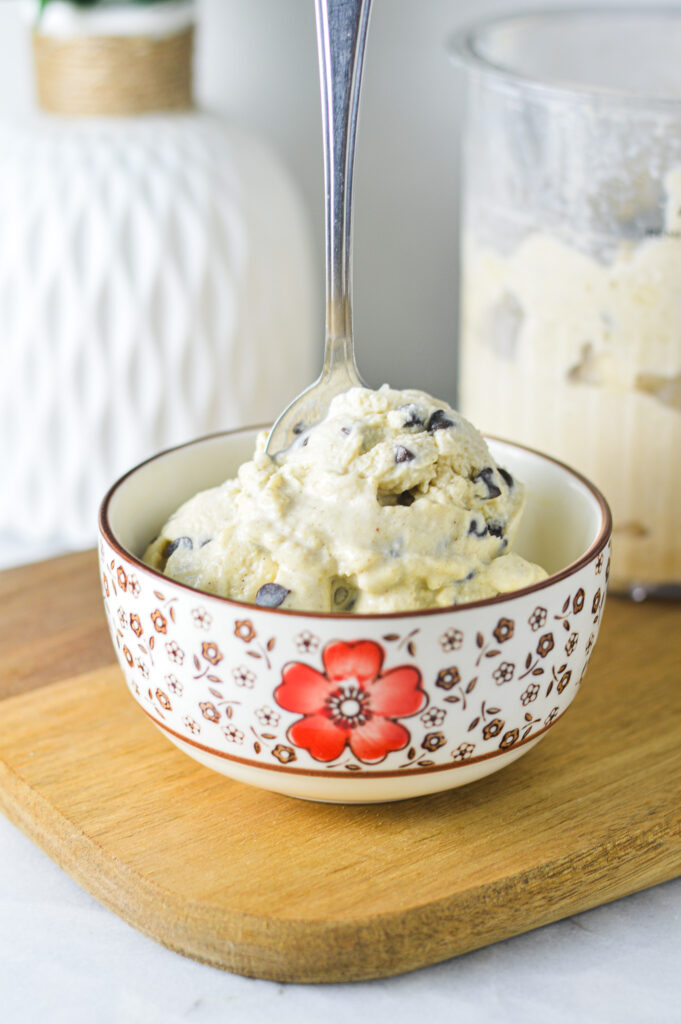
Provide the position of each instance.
(113, 75)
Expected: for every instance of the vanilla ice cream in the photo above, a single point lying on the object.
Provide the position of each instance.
(581, 357)
(393, 502)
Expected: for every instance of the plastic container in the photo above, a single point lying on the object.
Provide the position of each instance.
(571, 259)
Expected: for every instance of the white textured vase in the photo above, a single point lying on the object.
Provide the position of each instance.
(156, 284)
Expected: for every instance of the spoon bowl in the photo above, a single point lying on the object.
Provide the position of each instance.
(341, 36)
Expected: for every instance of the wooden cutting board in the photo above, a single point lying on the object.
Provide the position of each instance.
(276, 888)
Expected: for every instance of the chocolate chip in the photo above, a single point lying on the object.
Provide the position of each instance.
(185, 542)
(271, 595)
(508, 479)
(299, 428)
(486, 475)
(346, 430)
(413, 416)
(495, 529)
(341, 595)
(204, 542)
(403, 454)
(405, 498)
(439, 420)
(473, 529)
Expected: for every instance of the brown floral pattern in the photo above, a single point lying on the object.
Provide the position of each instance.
(509, 738)
(159, 621)
(433, 717)
(233, 735)
(537, 619)
(529, 694)
(552, 716)
(545, 645)
(243, 628)
(209, 711)
(463, 752)
(211, 653)
(433, 741)
(451, 640)
(284, 754)
(268, 716)
(174, 685)
(503, 673)
(447, 678)
(175, 652)
(210, 677)
(504, 630)
(493, 728)
(307, 641)
(202, 619)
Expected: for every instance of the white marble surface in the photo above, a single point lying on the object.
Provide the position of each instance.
(64, 959)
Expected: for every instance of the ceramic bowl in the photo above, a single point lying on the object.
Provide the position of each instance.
(354, 708)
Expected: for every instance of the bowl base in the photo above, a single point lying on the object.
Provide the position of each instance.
(317, 788)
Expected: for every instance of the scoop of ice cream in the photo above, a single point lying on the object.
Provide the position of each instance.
(393, 502)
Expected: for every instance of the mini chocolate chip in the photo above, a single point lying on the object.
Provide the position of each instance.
(403, 454)
(473, 529)
(299, 428)
(305, 442)
(204, 542)
(341, 595)
(185, 542)
(486, 475)
(346, 430)
(405, 498)
(271, 595)
(414, 418)
(507, 477)
(495, 529)
(439, 420)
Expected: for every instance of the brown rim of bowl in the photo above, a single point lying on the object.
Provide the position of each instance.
(593, 550)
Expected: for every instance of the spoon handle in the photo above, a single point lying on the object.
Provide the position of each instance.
(341, 36)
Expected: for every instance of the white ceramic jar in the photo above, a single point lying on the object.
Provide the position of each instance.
(156, 284)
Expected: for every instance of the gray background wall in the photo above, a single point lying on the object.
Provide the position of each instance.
(257, 62)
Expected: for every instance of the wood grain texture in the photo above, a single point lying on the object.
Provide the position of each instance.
(277, 888)
(53, 625)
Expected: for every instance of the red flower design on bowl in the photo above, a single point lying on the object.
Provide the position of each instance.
(351, 704)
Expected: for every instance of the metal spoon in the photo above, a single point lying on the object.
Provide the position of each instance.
(341, 37)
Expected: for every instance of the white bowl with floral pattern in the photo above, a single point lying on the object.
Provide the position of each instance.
(354, 708)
